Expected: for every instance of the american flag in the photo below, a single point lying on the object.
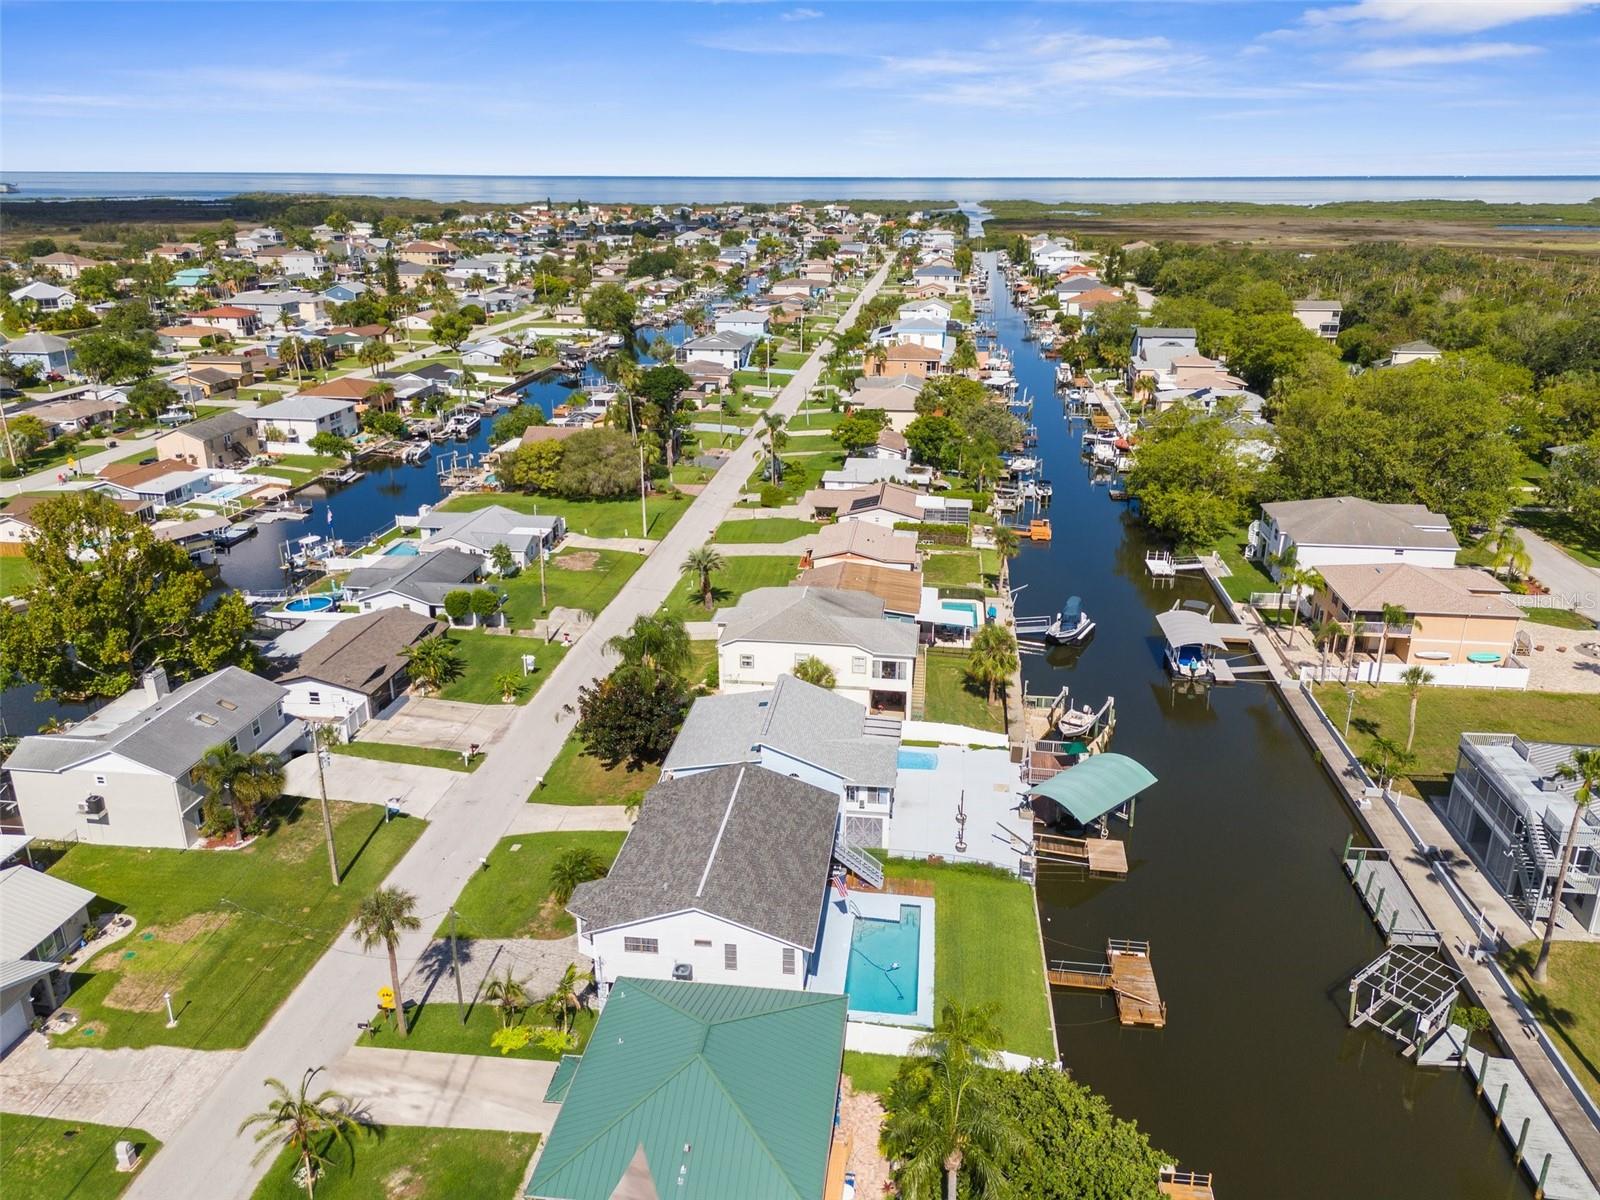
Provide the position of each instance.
(842, 887)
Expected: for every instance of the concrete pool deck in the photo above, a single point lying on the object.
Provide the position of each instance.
(834, 942)
(984, 784)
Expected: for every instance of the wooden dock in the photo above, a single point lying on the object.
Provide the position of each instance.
(1384, 894)
(1185, 1185)
(1103, 856)
(1127, 974)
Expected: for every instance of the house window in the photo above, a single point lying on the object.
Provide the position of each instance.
(858, 666)
(730, 957)
(702, 943)
(255, 728)
(233, 743)
(638, 945)
(788, 960)
(747, 662)
(99, 781)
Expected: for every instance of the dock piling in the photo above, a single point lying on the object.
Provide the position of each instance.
(1522, 1140)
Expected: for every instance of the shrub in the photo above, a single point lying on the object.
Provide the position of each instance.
(773, 496)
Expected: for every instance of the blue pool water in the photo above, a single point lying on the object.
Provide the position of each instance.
(402, 548)
(917, 760)
(967, 608)
(309, 604)
(884, 963)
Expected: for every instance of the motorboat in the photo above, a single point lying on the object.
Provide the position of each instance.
(1071, 624)
(1022, 464)
(1043, 489)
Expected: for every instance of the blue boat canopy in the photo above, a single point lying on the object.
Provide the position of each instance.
(1099, 785)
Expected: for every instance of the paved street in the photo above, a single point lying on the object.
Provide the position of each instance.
(1563, 575)
(317, 1024)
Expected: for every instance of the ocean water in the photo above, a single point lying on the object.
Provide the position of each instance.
(609, 189)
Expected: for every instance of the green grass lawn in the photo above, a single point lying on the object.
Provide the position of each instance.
(1568, 1006)
(763, 529)
(800, 472)
(417, 756)
(487, 656)
(1581, 543)
(1247, 576)
(956, 568)
(436, 1026)
(16, 575)
(741, 575)
(578, 778)
(952, 699)
(410, 1162)
(1560, 618)
(986, 948)
(228, 933)
(586, 579)
(511, 896)
(309, 462)
(814, 418)
(1444, 714)
(593, 518)
(47, 1159)
(871, 1072)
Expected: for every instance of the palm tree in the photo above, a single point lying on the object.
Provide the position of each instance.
(993, 658)
(703, 561)
(1326, 633)
(772, 429)
(572, 867)
(1392, 617)
(381, 919)
(938, 1126)
(1279, 563)
(1584, 767)
(1415, 679)
(306, 1124)
(374, 353)
(509, 993)
(1006, 541)
(511, 359)
(291, 350)
(1295, 578)
(1511, 553)
(569, 996)
(509, 684)
(433, 663)
(814, 671)
(1386, 759)
(245, 782)
(658, 641)
(324, 737)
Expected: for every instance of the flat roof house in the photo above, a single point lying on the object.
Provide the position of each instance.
(675, 1096)
(1511, 807)
(697, 892)
(1338, 530)
(42, 919)
(807, 733)
(125, 775)
(772, 629)
(356, 669)
(481, 530)
(419, 582)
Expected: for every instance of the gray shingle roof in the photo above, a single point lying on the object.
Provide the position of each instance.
(795, 718)
(222, 422)
(817, 617)
(170, 735)
(1352, 521)
(34, 905)
(485, 527)
(420, 577)
(366, 651)
(300, 408)
(740, 843)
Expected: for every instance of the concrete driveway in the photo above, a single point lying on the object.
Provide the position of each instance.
(452, 1091)
(368, 781)
(441, 724)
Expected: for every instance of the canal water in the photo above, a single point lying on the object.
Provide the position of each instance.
(1235, 881)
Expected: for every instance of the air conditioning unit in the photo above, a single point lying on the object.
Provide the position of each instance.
(683, 972)
(92, 806)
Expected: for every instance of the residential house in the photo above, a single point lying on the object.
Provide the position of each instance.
(17, 523)
(803, 732)
(293, 261)
(67, 266)
(940, 273)
(486, 353)
(899, 589)
(1411, 352)
(864, 542)
(903, 359)
(240, 322)
(481, 530)
(895, 395)
(191, 337)
(287, 305)
(166, 483)
(242, 368)
(345, 291)
(1339, 530)
(81, 412)
(287, 426)
(744, 321)
(1321, 317)
(870, 470)
(203, 383)
(362, 392)
(699, 1090)
(724, 349)
(1511, 807)
(890, 444)
(42, 921)
(425, 254)
(224, 439)
(933, 335)
(357, 669)
(191, 278)
(930, 310)
(887, 504)
(419, 582)
(125, 776)
(771, 629)
(1084, 303)
(1153, 350)
(697, 892)
(45, 297)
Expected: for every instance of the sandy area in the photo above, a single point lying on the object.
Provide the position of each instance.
(860, 1116)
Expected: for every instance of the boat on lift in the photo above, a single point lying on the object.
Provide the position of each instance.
(1070, 625)
(1022, 464)
(1043, 489)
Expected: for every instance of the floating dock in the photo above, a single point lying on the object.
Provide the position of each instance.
(1103, 856)
(1127, 974)
(1185, 1185)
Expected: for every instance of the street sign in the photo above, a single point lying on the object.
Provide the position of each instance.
(386, 999)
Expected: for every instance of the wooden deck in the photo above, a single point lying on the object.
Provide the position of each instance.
(1127, 975)
(1103, 856)
(1185, 1185)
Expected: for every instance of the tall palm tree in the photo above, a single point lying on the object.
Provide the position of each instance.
(703, 561)
(374, 353)
(658, 641)
(772, 430)
(1325, 635)
(1279, 563)
(1511, 553)
(1294, 579)
(507, 992)
(1392, 616)
(1584, 767)
(245, 782)
(381, 919)
(1415, 679)
(308, 1125)
(290, 351)
(569, 996)
(993, 658)
(1006, 541)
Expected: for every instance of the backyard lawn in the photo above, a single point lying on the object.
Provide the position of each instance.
(958, 568)
(1568, 1006)
(228, 933)
(741, 575)
(511, 896)
(986, 948)
(1247, 576)
(578, 778)
(763, 529)
(1559, 618)
(951, 699)
(417, 756)
(586, 579)
(594, 518)
(411, 1162)
(46, 1159)
(1444, 714)
(487, 656)
(871, 1072)
(16, 575)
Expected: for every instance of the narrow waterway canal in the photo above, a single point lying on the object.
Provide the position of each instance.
(1236, 884)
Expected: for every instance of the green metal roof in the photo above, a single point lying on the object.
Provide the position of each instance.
(562, 1079)
(1096, 786)
(729, 1091)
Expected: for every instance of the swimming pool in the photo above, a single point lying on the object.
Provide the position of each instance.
(967, 609)
(402, 548)
(917, 760)
(885, 963)
(309, 604)
(229, 491)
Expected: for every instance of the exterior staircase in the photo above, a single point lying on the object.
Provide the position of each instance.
(858, 862)
(919, 686)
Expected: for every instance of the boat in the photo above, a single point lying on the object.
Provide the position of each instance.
(1191, 640)
(1022, 464)
(1070, 625)
(232, 535)
(1039, 530)
(1043, 489)
(415, 452)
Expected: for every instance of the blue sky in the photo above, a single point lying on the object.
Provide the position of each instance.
(1359, 87)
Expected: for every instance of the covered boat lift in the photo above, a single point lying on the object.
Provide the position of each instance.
(1087, 794)
(1193, 640)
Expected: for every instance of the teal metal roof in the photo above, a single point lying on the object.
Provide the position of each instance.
(1096, 786)
(562, 1079)
(729, 1091)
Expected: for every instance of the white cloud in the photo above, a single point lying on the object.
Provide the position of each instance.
(800, 14)
(1399, 57)
(1444, 16)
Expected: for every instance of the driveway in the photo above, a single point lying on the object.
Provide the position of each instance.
(368, 781)
(450, 1091)
(441, 724)
(549, 818)
(1563, 575)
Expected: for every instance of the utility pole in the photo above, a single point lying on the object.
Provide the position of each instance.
(455, 966)
(543, 600)
(323, 755)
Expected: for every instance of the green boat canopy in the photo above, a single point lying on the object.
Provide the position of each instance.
(1088, 791)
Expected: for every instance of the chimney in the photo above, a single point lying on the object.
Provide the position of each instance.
(155, 683)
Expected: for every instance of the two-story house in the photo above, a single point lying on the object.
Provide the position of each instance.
(288, 426)
(1344, 530)
(1320, 317)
